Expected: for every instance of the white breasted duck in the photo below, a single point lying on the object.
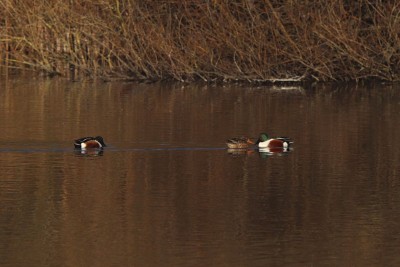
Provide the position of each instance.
(89, 142)
(265, 142)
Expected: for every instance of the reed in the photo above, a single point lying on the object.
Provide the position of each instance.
(250, 40)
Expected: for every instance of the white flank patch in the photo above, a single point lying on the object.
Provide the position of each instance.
(83, 145)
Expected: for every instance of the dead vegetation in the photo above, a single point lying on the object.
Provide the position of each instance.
(270, 40)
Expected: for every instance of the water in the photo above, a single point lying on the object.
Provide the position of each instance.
(166, 192)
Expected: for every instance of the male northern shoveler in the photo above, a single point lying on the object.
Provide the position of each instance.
(265, 142)
(89, 142)
(241, 142)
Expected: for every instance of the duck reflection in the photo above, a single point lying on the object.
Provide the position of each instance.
(89, 152)
(240, 151)
(278, 151)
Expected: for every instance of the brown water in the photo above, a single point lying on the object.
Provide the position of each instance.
(166, 192)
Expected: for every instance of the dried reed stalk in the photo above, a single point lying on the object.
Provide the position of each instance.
(249, 40)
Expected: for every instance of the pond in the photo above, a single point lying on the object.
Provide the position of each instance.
(166, 192)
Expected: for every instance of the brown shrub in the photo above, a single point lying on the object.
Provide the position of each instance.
(211, 40)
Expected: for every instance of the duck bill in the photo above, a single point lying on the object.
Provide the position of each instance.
(250, 142)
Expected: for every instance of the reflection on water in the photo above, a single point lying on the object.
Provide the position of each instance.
(166, 192)
(89, 152)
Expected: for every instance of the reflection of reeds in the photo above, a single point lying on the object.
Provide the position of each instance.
(246, 40)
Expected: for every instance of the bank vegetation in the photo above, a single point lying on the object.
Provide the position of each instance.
(250, 40)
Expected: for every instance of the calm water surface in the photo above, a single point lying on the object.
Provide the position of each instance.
(166, 192)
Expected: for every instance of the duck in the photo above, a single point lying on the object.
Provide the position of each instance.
(239, 143)
(89, 142)
(278, 142)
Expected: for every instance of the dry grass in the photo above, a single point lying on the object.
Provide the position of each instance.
(209, 40)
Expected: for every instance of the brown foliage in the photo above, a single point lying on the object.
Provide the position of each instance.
(186, 40)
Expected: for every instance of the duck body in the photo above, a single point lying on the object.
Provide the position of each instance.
(89, 142)
(278, 142)
(239, 143)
